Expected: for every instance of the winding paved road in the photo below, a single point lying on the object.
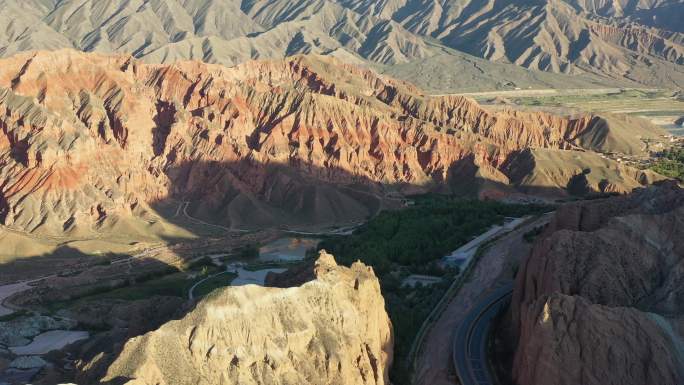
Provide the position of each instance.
(470, 343)
(434, 364)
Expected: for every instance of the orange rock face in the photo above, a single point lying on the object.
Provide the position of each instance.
(87, 139)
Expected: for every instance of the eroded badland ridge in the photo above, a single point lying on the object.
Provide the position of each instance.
(172, 171)
(91, 140)
(599, 299)
(332, 329)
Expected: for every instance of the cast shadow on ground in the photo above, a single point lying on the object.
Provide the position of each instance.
(231, 197)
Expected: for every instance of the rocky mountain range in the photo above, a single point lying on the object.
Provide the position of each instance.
(333, 329)
(90, 142)
(148, 148)
(619, 42)
(599, 300)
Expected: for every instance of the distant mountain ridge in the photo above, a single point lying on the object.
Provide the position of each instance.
(623, 41)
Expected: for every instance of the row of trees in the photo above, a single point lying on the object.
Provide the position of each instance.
(416, 236)
(671, 164)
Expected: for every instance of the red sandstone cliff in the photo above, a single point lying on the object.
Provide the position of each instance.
(88, 140)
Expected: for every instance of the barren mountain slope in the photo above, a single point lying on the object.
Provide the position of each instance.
(599, 300)
(458, 72)
(623, 42)
(88, 141)
(330, 330)
(664, 14)
(225, 32)
(554, 36)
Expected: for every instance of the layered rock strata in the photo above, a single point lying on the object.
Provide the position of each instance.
(89, 141)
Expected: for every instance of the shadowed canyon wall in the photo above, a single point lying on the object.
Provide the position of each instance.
(599, 300)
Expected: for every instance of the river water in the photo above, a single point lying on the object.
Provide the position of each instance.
(49, 341)
(287, 249)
